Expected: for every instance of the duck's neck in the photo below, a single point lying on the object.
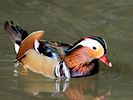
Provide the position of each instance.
(80, 63)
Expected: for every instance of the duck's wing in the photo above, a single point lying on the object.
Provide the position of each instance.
(53, 49)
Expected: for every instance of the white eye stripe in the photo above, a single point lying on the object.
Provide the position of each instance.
(90, 43)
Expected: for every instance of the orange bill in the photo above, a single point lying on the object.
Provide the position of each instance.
(105, 60)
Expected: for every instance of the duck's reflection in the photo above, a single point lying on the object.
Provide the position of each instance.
(75, 89)
(85, 90)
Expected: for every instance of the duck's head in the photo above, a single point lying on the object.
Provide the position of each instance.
(94, 47)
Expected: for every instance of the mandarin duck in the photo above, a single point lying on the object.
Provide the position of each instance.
(56, 59)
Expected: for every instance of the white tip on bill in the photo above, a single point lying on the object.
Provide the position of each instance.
(110, 64)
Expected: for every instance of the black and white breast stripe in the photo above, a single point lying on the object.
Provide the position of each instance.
(61, 70)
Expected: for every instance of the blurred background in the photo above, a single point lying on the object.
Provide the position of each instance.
(68, 21)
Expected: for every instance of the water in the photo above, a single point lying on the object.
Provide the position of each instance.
(68, 21)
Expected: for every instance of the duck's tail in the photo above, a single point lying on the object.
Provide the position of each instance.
(15, 33)
(21, 39)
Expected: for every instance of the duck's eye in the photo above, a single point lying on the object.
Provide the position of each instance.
(94, 48)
